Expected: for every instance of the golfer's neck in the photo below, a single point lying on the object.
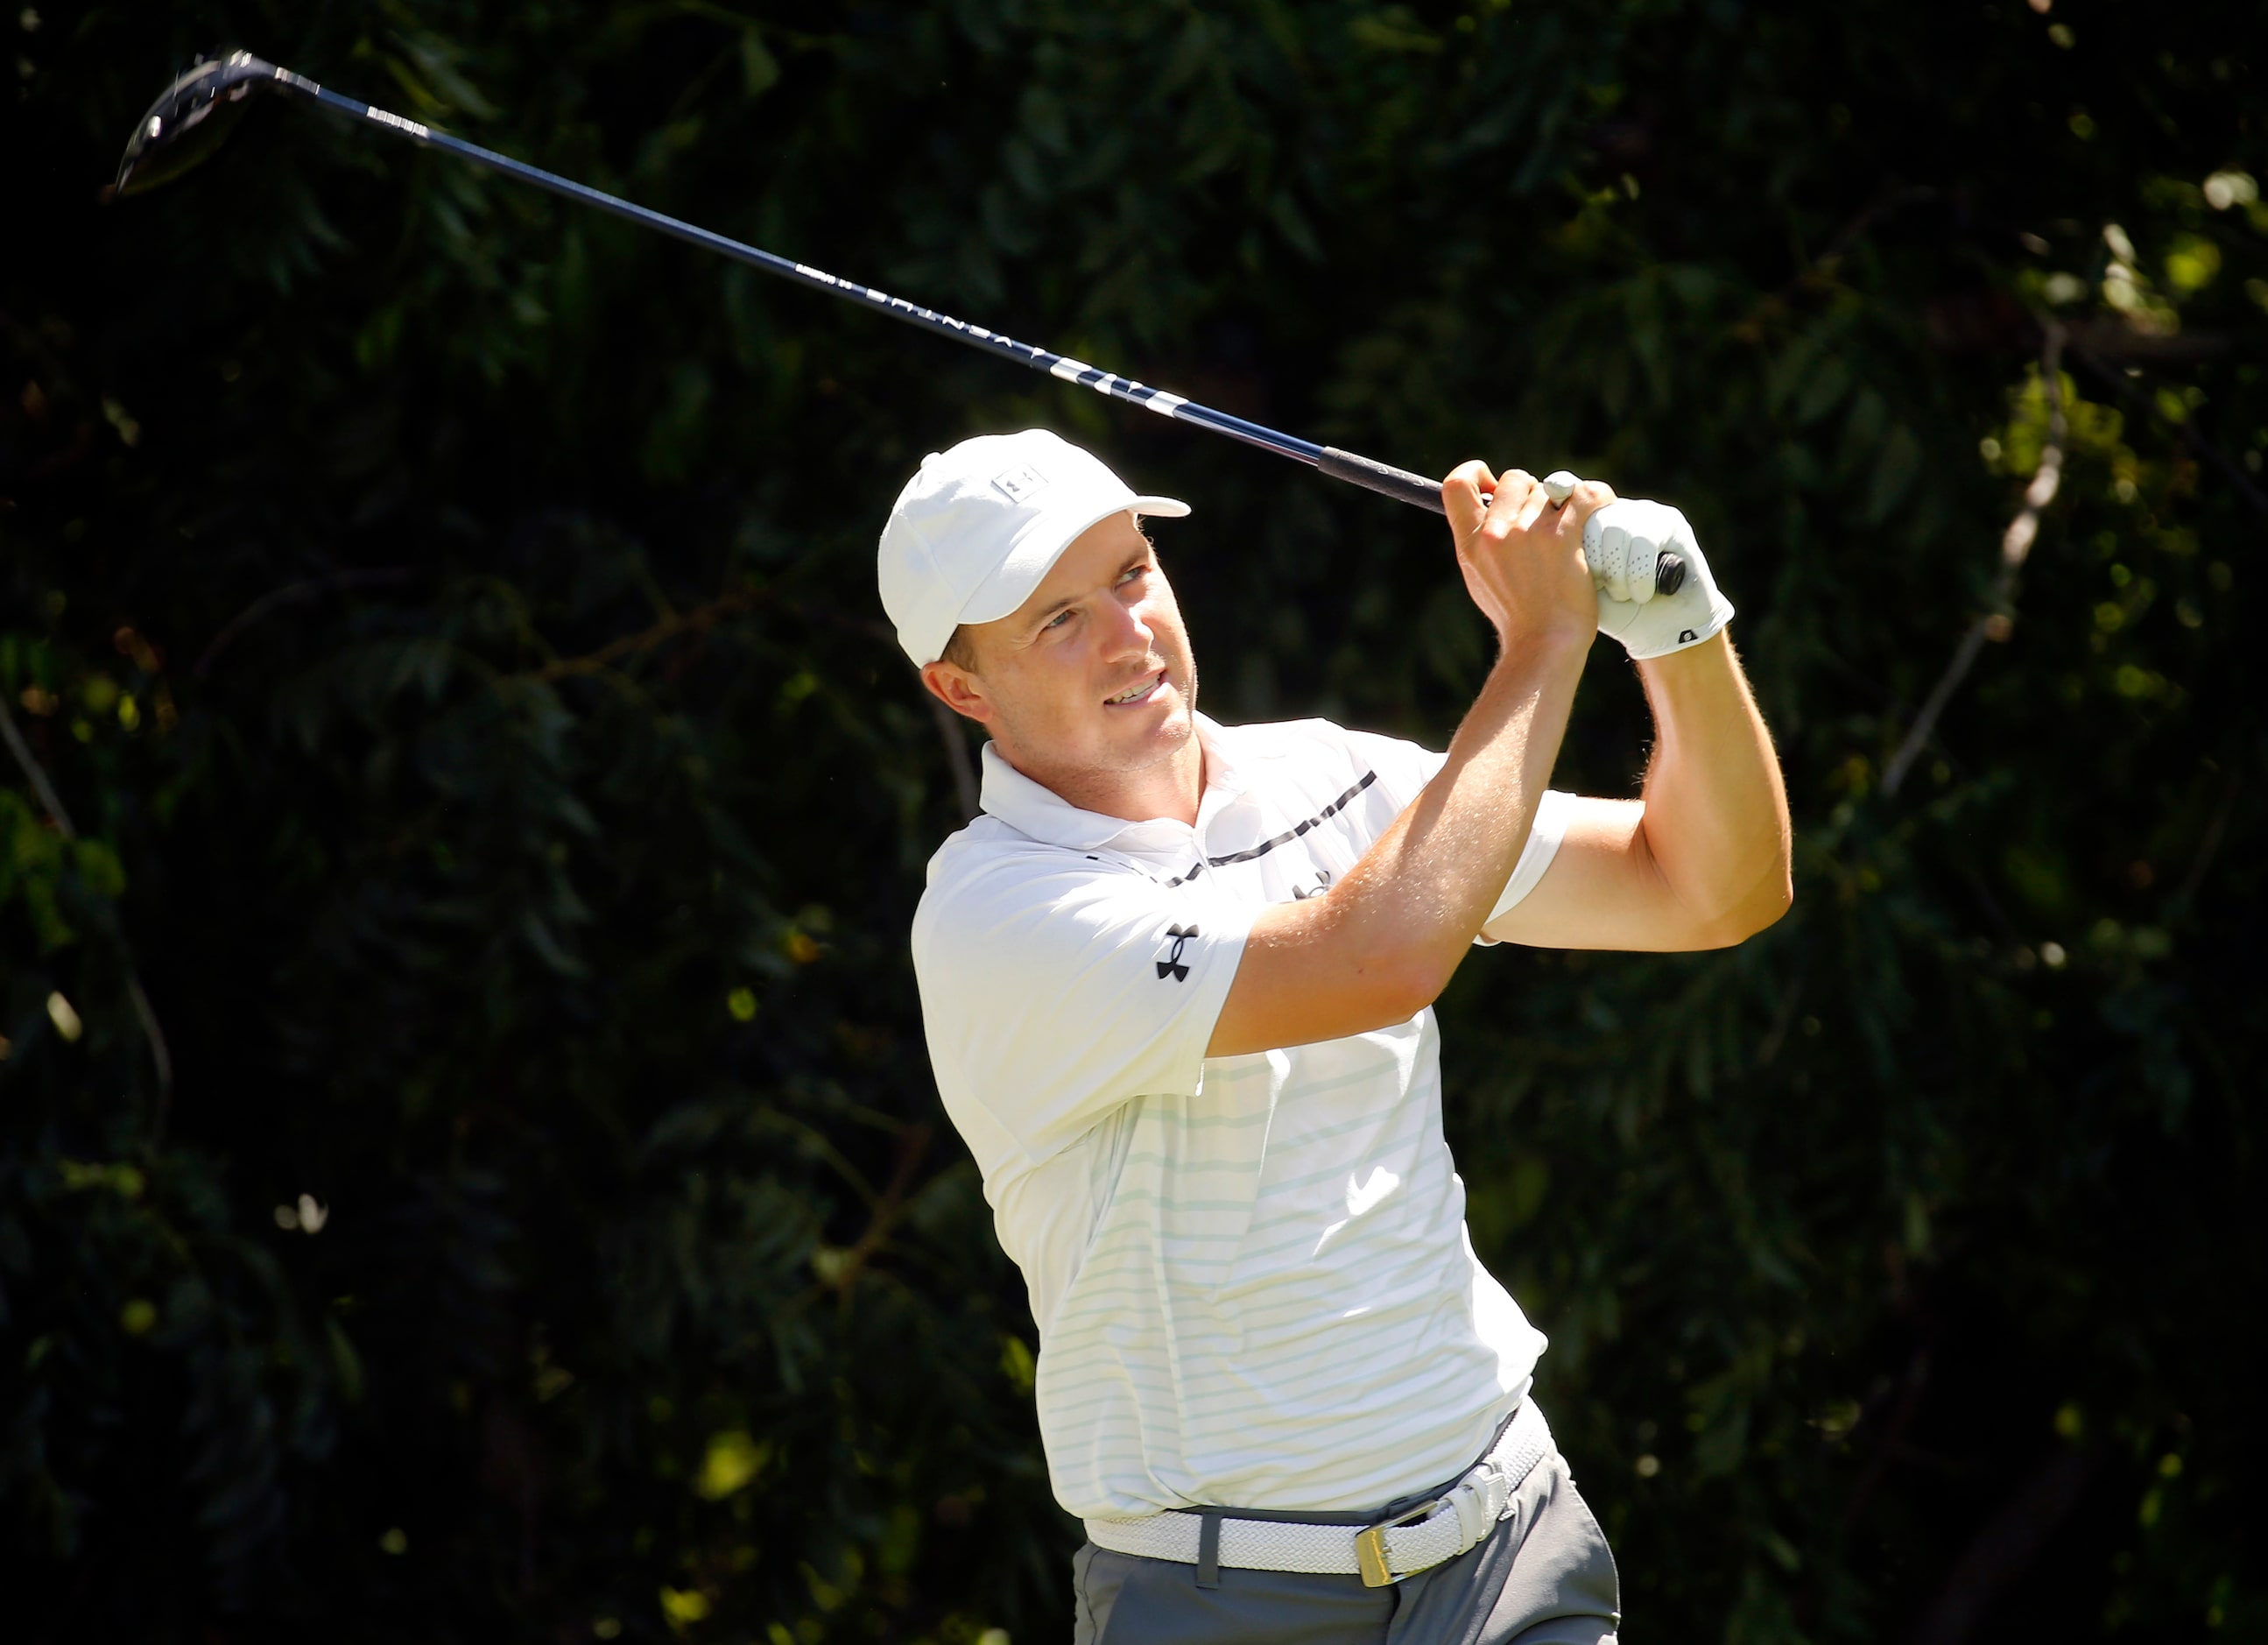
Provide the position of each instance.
(1173, 787)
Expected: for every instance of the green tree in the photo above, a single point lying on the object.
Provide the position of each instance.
(467, 1161)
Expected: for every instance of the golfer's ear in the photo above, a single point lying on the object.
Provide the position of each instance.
(958, 690)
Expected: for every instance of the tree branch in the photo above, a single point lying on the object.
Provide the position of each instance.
(2215, 829)
(292, 594)
(1902, 1416)
(34, 773)
(950, 731)
(144, 1012)
(1893, 198)
(2118, 381)
(2016, 545)
(700, 619)
(843, 1272)
(2005, 1546)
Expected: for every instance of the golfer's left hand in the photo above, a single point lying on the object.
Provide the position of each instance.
(1622, 542)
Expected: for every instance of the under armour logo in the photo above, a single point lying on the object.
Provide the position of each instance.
(1171, 965)
(1686, 636)
(1020, 482)
(1323, 884)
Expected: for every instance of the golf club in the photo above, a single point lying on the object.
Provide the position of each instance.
(192, 117)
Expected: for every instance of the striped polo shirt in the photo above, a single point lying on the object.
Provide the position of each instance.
(1251, 1274)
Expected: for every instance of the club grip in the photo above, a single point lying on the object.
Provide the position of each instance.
(1420, 492)
(1388, 480)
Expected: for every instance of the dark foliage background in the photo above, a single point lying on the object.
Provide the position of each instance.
(445, 619)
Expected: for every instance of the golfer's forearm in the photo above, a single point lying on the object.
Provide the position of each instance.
(1386, 939)
(1423, 891)
(1715, 826)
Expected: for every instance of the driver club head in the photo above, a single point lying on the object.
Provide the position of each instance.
(190, 118)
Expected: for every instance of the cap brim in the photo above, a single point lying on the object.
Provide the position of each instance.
(1028, 567)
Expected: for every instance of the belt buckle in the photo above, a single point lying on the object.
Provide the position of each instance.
(1370, 1546)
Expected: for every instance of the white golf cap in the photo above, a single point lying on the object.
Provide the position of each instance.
(981, 526)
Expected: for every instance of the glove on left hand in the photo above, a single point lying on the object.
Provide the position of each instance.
(1622, 542)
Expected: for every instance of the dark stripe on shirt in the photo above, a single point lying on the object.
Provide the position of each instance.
(1284, 839)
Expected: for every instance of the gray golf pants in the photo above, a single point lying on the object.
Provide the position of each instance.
(1543, 1576)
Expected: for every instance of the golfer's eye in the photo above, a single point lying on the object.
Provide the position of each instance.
(1057, 621)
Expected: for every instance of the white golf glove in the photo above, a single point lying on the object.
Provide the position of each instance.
(1623, 542)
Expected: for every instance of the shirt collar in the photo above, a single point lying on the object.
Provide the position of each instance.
(1036, 810)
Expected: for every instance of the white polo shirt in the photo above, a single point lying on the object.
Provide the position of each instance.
(1251, 1274)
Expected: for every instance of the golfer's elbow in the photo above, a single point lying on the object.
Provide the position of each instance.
(1781, 895)
(1762, 910)
(1368, 984)
(1403, 983)
(1721, 896)
(1758, 907)
(1312, 970)
(1388, 960)
(1774, 893)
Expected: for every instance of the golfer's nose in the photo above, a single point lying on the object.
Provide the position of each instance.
(1125, 633)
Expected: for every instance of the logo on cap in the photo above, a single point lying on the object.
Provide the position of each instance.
(1021, 482)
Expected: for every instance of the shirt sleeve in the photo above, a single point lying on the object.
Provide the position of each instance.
(1544, 837)
(1403, 770)
(1055, 989)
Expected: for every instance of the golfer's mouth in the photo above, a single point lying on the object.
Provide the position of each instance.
(1139, 693)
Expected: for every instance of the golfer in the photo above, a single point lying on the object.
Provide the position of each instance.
(1178, 982)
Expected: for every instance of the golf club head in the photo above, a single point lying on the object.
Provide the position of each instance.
(190, 118)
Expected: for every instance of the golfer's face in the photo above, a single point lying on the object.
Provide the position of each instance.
(1092, 672)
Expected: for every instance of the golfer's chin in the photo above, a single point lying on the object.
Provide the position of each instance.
(1082, 754)
(1142, 733)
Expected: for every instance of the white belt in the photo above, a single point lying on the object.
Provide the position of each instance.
(1381, 1554)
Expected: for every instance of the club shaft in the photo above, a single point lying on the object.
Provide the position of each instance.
(1396, 482)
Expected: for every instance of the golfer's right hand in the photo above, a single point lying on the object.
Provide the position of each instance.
(1521, 556)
